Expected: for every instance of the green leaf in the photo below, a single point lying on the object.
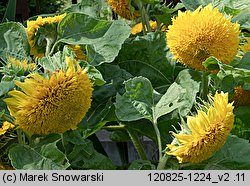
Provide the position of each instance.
(238, 9)
(140, 101)
(83, 155)
(170, 100)
(245, 61)
(243, 18)
(96, 118)
(141, 165)
(240, 75)
(211, 63)
(146, 56)
(143, 127)
(2, 113)
(94, 75)
(227, 84)
(104, 37)
(48, 157)
(93, 8)
(13, 41)
(10, 12)
(233, 155)
(5, 87)
(114, 77)
(194, 4)
(241, 124)
(137, 102)
(190, 81)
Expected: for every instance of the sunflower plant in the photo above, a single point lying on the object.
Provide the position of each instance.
(176, 74)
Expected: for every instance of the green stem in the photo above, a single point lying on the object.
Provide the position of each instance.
(162, 162)
(204, 85)
(137, 144)
(20, 136)
(63, 143)
(49, 44)
(144, 18)
(158, 135)
(8, 118)
(114, 127)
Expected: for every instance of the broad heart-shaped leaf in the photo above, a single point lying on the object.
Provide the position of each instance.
(239, 10)
(241, 125)
(102, 108)
(13, 41)
(82, 154)
(5, 86)
(47, 157)
(170, 100)
(105, 38)
(231, 7)
(189, 80)
(146, 56)
(137, 102)
(194, 4)
(93, 8)
(243, 19)
(245, 61)
(233, 155)
(241, 74)
(140, 101)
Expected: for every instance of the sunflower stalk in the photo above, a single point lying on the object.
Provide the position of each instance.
(8, 118)
(114, 127)
(49, 45)
(158, 136)
(20, 136)
(162, 162)
(204, 84)
(144, 18)
(137, 144)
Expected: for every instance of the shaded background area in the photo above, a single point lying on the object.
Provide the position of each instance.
(29, 8)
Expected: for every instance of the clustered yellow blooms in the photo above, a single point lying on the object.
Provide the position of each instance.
(80, 55)
(51, 105)
(5, 167)
(241, 97)
(32, 29)
(208, 131)
(138, 28)
(124, 9)
(6, 126)
(246, 47)
(20, 64)
(195, 36)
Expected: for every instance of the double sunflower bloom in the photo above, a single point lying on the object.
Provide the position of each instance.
(54, 104)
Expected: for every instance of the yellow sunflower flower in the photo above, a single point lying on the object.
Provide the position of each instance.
(246, 47)
(6, 126)
(32, 31)
(5, 167)
(80, 55)
(241, 97)
(208, 132)
(195, 36)
(20, 64)
(124, 9)
(153, 25)
(51, 105)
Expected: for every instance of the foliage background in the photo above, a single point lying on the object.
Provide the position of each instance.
(125, 69)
